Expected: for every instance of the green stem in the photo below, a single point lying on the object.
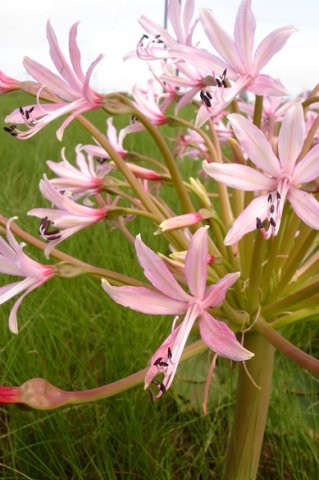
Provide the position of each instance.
(258, 111)
(255, 273)
(252, 403)
(291, 301)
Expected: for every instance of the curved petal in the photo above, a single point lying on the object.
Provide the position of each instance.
(221, 41)
(305, 206)
(196, 263)
(221, 339)
(255, 144)
(144, 300)
(239, 176)
(13, 324)
(267, 85)
(216, 293)
(244, 32)
(246, 221)
(270, 45)
(291, 138)
(59, 60)
(158, 273)
(74, 52)
(308, 168)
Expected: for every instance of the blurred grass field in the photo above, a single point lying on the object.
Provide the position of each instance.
(73, 335)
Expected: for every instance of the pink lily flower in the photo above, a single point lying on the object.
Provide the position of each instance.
(70, 88)
(169, 298)
(148, 102)
(8, 84)
(150, 46)
(13, 261)
(279, 179)
(82, 180)
(68, 218)
(236, 59)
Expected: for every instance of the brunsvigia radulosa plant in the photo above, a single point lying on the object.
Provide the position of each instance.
(244, 259)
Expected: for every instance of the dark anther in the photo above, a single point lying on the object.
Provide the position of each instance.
(269, 198)
(169, 353)
(134, 119)
(163, 364)
(21, 111)
(44, 230)
(272, 208)
(162, 388)
(221, 81)
(209, 95)
(158, 361)
(27, 114)
(205, 98)
(272, 222)
(278, 195)
(259, 223)
(101, 160)
(11, 129)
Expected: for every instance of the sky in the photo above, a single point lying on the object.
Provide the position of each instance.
(111, 27)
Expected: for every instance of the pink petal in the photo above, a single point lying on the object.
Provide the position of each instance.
(270, 45)
(13, 324)
(246, 222)
(196, 263)
(267, 85)
(221, 41)
(74, 52)
(59, 60)
(244, 31)
(291, 137)
(50, 80)
(221, 339)
(156, 271)
(308, 168)
(305, 206)
(240, 177)
(216, 293)
(255, 144)
(144, 300)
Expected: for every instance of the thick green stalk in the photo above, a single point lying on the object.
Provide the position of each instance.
(252, 403)
(256, 273)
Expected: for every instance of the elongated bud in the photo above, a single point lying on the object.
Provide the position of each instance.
(36, 393)
(183, 221)
(144, 173)
(200, 191)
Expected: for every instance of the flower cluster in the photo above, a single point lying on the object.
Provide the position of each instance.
(240, 229)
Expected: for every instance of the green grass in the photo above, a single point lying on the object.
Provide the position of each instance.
(73, 335)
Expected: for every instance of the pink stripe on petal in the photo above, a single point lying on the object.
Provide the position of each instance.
(305, 206)
(255, 144)
(244, 31)
(240, 177)
(216, 293)
(196, 263)
(308, 168)
(158, 273)
(291, 137)
(270, 45)
(144, 300)
(221, 339)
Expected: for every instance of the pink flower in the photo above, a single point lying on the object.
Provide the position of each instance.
(82, 180)
(13, 261)
(148, 102)
(68, 218)
(236, 59)
(8, 84)
(154, 44)
(72, 92)
(281, 177)
(169, 298)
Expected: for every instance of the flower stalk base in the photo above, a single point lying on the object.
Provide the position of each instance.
(252, 403)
